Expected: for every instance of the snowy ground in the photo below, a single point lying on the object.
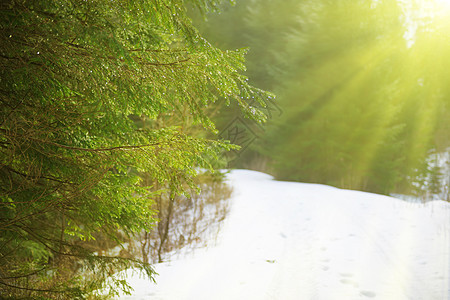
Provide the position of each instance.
(286, 240)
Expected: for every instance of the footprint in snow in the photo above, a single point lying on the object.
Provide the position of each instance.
(348, 281)
(368, 294)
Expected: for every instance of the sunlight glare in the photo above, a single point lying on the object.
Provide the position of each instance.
(441, 7)
(443, 2)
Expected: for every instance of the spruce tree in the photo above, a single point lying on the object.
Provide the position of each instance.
(82, 85)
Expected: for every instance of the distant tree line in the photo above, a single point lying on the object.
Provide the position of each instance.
(362, 87)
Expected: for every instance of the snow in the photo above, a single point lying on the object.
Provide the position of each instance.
(285, 240)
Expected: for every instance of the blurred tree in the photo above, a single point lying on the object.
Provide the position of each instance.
(361, 90)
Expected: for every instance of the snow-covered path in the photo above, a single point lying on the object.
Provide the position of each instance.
(286, 240)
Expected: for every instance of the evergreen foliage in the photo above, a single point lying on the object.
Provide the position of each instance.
(362, 86)
(83, 85)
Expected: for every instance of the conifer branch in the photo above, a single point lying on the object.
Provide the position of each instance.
(127, 147)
